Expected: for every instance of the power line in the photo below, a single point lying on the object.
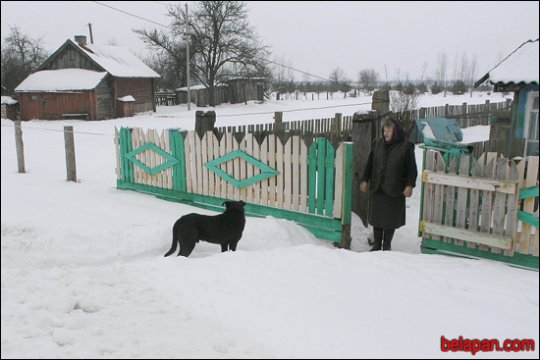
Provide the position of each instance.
(136, 16)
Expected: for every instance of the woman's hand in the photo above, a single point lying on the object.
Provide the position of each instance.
(408, 191)
(364, 186)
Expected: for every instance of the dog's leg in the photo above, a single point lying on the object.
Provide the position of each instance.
(232, 244)
(224, 247)
(187, 244)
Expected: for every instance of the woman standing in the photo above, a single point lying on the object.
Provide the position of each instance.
(389, 176)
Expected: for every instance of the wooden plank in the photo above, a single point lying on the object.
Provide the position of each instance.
(487, 197)
(272, 163)
(449, 216)
(303, 176)
(256, 188)
(222, 152)
(204, 160)
(164, 144)
(210, 156)
(503, 186)
(462, 194)
(295, 174)
(347, 186)
(215, 155)
(249, 169)
(338, 191)
(438, 193)
(199, 164)
(157, 158)
(476, 171)
(321, 162)
(427, 196)
(117, 150)
(499, 205)
(312, 176)
(498, 241)
(287, 174)
(280, 177)
(329, 181)
(229, 165)
(525, 245)
(511, 210)
(265, 183)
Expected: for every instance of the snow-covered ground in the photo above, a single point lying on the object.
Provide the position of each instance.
(83, 273)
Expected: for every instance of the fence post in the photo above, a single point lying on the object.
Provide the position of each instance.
(70, 154)
(347, 196)
(204, 121)
(467, 121)
(336, 127)
(363, 134)
(278, 117)
(19, 146)
(487, 112)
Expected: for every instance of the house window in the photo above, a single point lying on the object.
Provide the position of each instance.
(33, 97)
(531, 124)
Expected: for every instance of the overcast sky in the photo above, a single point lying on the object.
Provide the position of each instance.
(313, 36)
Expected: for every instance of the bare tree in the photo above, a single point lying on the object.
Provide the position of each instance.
(368, 79)
(338, 80)
(441, 70)
(220, 35)
(474, 64)
(169, 50)
(21, 55)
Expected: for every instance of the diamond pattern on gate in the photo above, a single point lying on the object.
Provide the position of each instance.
(170, 160)
(266, 171)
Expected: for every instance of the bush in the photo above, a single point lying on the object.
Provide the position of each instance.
(436, 88)
(459, 87)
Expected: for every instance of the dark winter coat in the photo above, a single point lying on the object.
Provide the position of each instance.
(390, 168)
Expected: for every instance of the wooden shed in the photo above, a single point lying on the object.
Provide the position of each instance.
(10, 108)
(121, 74)
(517, 134)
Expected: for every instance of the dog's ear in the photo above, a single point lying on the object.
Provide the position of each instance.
(227, 204)
(242, 203)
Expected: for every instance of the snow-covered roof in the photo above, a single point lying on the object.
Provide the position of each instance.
(127, 98)
(61, 80)
(199, 87)
(521, 66)
(8, 100)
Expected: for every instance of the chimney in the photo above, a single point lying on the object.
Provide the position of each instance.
(80, 39)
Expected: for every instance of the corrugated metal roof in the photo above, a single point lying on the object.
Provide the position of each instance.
(117, 61)
(61, 80)
(521, 66)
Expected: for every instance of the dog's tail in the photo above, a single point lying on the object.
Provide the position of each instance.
(173, 246)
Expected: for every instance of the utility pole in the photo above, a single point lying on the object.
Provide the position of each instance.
(188, 38)
(91, 36)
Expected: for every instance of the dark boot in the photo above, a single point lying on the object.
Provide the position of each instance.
(377, 239)
(388, 236)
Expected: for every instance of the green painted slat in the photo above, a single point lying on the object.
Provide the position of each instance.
(329, 200)
(312, 169)
(529, 192)
(422, 193)
(302, 218)
(347, 190)
(126, 147)
(438, 247)
(122, 145)
(321, 160)
(179, 169)
(528, 218)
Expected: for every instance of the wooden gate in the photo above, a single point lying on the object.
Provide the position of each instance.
(309, 183)
(480, 208)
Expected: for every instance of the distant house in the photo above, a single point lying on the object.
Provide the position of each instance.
(9, 108)
(87, 81)
(517, 135)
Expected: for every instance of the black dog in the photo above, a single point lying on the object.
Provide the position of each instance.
(225, 229)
